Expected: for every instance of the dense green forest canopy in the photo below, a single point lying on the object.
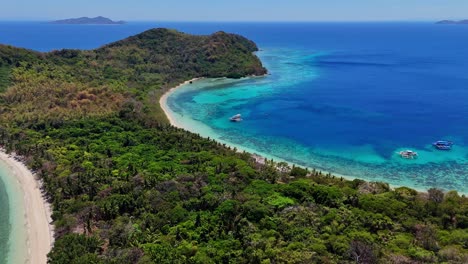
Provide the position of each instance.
(127, 187)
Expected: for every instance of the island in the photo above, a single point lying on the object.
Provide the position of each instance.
(88, 21)
(453, 22)
(126, 186)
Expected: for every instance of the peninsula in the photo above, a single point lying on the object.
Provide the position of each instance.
(128, 187)
(453, 22)
(88, 21)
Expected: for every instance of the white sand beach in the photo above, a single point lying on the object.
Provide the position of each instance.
(37, 211)
(165, 107)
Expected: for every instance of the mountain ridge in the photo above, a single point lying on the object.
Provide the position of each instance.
(453, 22)
(99, 20)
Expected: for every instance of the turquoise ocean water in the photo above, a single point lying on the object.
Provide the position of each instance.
(13, 243)
(4, 222)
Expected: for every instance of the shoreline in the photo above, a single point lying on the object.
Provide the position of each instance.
(37, 212)
(165, 107)
(168, 92)
(259, 157)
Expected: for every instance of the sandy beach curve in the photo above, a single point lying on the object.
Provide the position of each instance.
(37, 211)
(165, 107)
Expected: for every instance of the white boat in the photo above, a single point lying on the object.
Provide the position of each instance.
(408, 154)
(236, 118)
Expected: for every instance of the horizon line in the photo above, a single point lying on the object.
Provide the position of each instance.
(242, 21)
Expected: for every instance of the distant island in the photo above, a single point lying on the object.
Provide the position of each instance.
(88, 21)
(453, 22)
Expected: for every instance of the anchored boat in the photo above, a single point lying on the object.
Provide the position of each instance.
(408, 154)
(443, 145)
(236, 118)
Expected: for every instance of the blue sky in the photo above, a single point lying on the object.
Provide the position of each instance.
(238, 10)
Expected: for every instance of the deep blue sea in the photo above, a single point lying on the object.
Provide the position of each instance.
(341, 97)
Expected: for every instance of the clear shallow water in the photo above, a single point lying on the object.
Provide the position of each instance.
(13, 243)
(4, 223)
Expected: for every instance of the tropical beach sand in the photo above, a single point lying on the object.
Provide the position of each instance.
(37, 211)
(165, 107)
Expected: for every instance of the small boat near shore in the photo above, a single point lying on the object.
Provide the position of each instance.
(236, 118)
(443, 145)
(408, 154)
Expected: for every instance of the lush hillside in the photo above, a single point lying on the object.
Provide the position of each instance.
(128, 188)
(162, 57)
(11, 57)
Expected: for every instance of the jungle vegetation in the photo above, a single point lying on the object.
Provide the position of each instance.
(126, 187)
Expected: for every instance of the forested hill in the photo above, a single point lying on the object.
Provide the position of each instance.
(218, 55)
(138, 68)
(126, 187)
(155, 57)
